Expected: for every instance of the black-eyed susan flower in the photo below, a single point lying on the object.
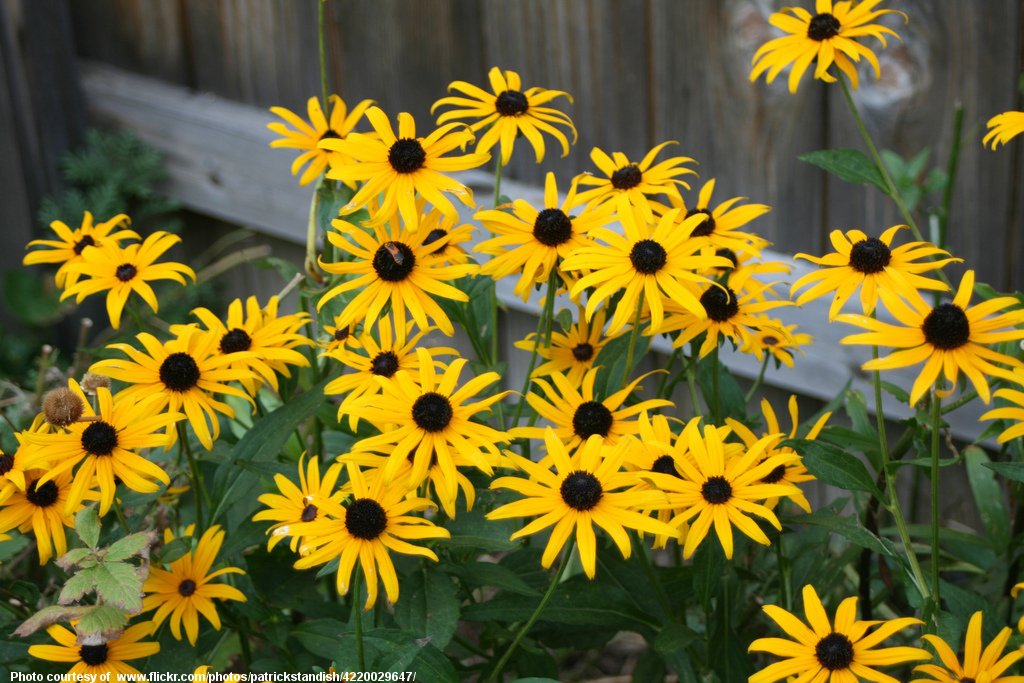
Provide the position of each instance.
(186, 372)
(829, 36)
(581, 492)
(391, 349)
(634, 183)
(872, 264)
(572, 352)
(449, 233)
(720, 491)
(270, 338)
(186, 589)
(722, 222)
(1002, 128)
(403, 166)
(94, 660)
(777, 339)
(105, 447)
(979, 664)
(842, 651)
(306, 136)
(340, 338)
(949, 338)
(531, 242)
(374, 523)
(294, 504)
(392, 266)
(577, 414)
(508, 112)
(1011, 412)
(650, 264)
(69, 245)
(12, 465)
(119, 271)
(40, 508)
(428, 415)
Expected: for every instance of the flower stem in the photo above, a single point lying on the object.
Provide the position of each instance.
(323, 54)
(951, 169)
(497, 179)
(199, 491)
(716, 394)
(691, 384)
(759, 381)
(500, 666)
(541, 338)
(668, 371)
(633, 334)
(936, 429)
(357, 619)
(785, 579)
(494, 302)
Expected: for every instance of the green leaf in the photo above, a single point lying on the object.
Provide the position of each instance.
(564, 319)
(47, 616)
(671, 643)
(729, 392)
(172, 551)
(35, 300)
(428, 607)
(129, 546)
(432, 665)
(478, 574)
(849, 528)
(1014, 471)
(320, 637)
(708, 567)
(73, 557)
(87, 526)
(331, 197)
(77, 586)
(896, 391)
(832, 465)
(612, 359)
(103, 620)
(988, 495)
(118, 584)
(850, 165)
(472, 530)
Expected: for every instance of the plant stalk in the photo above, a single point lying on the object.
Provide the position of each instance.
(541, 338)
(936, 429)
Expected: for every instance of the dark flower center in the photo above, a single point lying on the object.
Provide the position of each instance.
(834, 652)
(870, 256)
(946, 327)
(6, 463)
(583, 352)
(705, 228)
(592, 418)
(770, 340)
(186, 588)
(666, 465)
(648, 257)
(407, 155)
(235, 340)
(341, 334)
(393, 261)
(552, 227)
(42, 496)
(86, 241)
(775, 476)
(309, 513)
(627, 177)
(365, 519)
(329, 134)
(581, 491)
(432, 412)
(435, 235)
(384, 364)
(720, 303)
(179, 372)
(93, 655)
(729, 254)
(967, 679)
(99, 438)
(511, 103)
(716, 490)
(126, 272)
(822, 27)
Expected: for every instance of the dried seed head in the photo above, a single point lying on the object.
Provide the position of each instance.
(91, 382)
(62, 407)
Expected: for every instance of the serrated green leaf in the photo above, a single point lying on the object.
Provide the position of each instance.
(850, 165)
(833, 465)
(988, 495)
(73, 557)
(87, 526)
(429, 608)
(118, 584)
(77, 586)
(103, 620)
(129, 546)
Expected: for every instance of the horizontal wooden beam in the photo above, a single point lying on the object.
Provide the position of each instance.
(220, 163)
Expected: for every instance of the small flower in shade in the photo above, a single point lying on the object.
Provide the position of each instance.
(106, 447)
(721, 222)
(573, 351)
(101, 658)
(41, 509)
(777, 339)
(185, 372)
(650, 264)
(392, 266)
(839, 653)
(722, 491)
(1015, 412)
(68, 247)
(633, 183)
(187, 589)
(375, 522)
(306, 136)
(448, 232)
(1014, 592)
(341, 338)
(872, 264)
(827, 37)
(1002, 128)
(979, 664)
(12, 465)
(582, 491)
(294, 504)
(507, 113)
(119, 271)
(793, 471)
(577, 414)
(531, 242)
(428, 416)
(393, 348)
(403, 166)
(949, 338)
(270, 339)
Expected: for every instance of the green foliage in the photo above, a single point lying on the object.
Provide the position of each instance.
(850, 165)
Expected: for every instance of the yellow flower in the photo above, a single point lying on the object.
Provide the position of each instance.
(978, 665)
(828, 37)
(188, 590)
(721, 222)
(119, 271)
(294, 504)
(573, 351)
(12, 465)
(307, 136)
(68, 247)
(99, 658)
(1014, 412)
(508, 112)
(780, 340)
(1002, 128)
(839, 653)
(41, 508)
(403, 166)
(341, 338)
(581, 492)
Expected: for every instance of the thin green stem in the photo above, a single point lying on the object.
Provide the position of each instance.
(963, 400)
(759, 381)
(691, 385)
(633, 335)
(198, 488)
(676, 353)
(785, 579)
(320, 24)
(494, 300)
(120, 516)
(936, 431)
(716, 394)
(312, 269)
(525, 628)
(357, 618)
(542, 338)
(497, 179)
(951, 169)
